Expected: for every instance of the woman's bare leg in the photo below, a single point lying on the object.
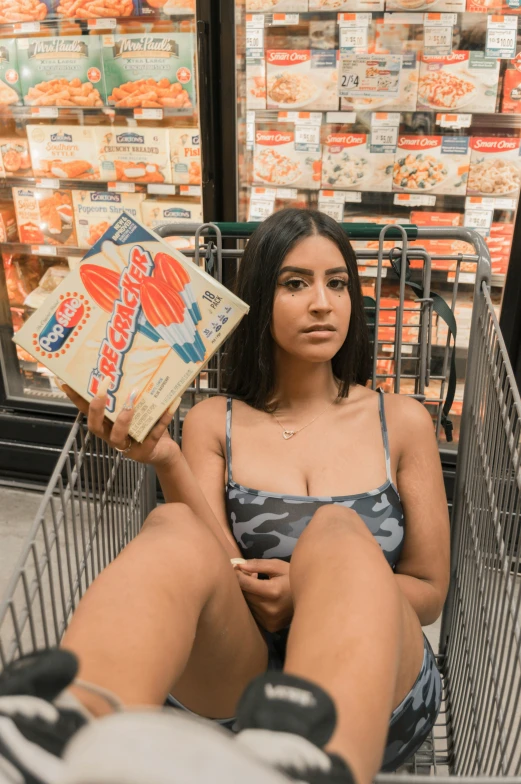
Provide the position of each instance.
(168, 615)
(353, 633)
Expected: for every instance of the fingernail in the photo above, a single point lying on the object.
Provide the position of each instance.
(131, 399)
(59, 383)
(103, 387)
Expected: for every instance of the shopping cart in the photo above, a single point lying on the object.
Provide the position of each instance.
(97, 500)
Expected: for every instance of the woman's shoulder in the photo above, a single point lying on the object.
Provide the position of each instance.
(408, 420)
(207, 418)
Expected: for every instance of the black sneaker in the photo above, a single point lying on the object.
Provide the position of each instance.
(286, 721)
(33, 731)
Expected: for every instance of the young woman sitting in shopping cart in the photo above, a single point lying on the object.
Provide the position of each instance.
(349, 527)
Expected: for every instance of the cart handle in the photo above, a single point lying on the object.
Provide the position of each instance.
(356, 231)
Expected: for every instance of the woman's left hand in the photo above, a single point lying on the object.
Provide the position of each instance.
(270, 601)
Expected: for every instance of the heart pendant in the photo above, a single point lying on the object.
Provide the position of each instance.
(288, 434)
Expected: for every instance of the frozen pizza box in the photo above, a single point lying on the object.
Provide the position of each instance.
(44, 216)
(349, 162)
(67, 152)
(10, 90)
(95, 211)
(133, 154)
(495, 166)
(61, 71)
(302, 79)
(161, 212)
(138, 312)
(440, 219)
(267, 6)
(461, 80)
(15, 156)
(432, 164)
(277, 161)
(185, 156)
(150, 71)
(404, 100)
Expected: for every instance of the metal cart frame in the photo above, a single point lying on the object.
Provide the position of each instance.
(97, 501)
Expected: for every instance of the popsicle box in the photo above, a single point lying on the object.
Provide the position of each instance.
(138, 311)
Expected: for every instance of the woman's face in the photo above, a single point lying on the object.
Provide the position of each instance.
(312, 306)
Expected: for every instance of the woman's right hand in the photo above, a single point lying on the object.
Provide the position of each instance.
(157, 448)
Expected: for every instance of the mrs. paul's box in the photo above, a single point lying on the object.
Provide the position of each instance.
(135, 310)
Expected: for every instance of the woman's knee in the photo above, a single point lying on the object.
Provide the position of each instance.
(177, 523)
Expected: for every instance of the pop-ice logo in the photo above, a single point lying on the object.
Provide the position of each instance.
(61, 324)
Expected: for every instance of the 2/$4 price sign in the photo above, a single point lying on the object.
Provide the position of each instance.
(370, 76)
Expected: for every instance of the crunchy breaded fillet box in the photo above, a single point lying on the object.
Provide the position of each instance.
(137, 311)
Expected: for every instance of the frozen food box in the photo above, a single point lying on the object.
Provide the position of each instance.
(256, 81)
(461, 80)
(44, 216)
(61, 71)
(267, 6)
(25, 10)
(185, 156)
(138, 312)
(511, 92)
(277, 161)
(174, 7)
(456, 6)
(133, 154)
(16, 160)
(8, 229)
(151, 71)
(437, 164)
(95, 211)
(10, 91)
(495, 166)
(67, 152)
(302, 79)
(494, 6)
(350, 163)
(346, 5)
(162, 212)
(93, 9)
(407, 91)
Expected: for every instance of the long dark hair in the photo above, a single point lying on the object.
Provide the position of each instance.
(250, 363)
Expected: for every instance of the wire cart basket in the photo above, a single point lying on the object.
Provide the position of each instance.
(97, 500)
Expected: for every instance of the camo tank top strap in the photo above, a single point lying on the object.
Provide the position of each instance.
(229, 437)
(385, 436)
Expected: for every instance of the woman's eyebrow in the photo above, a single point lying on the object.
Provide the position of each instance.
(309, 272)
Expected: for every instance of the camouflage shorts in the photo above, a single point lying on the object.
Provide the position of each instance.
(411, 721)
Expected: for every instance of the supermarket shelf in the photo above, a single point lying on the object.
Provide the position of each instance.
(83, 185)
(58, 251)
(103, 24)
(72, 113)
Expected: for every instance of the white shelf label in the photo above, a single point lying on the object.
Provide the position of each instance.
(307, 138)
(479, 219)
(48, 182)
(384, 137)
(414, 200)
(121, 187)
(385, 119)
(505, 204)
(27, 27)
(286, 193)
(335, 211)
(354, 20)
(437, 32)
(262, 203)
(332, 197)
(254, 38)
(501, 37)
(44, 111)
(44, 250)
(353, 39)
(370, 76)
(161, 188)
(190, 190)
(254, 20)
(285, 19)
(489, 203)
(148, 114)
(102, 24)
(454, 120)
(344, 118)
(250, 130)
(301, 118)
(400, 18)
(353, 197)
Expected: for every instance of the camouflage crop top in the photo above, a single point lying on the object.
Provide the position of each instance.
(267, 525)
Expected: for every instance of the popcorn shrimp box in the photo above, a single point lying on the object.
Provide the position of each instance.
(133, 154)
(25, 10)
(267, 6)
(67, 152)
(302, 79)
(161, 212)
(44, 216)
(461, 80)
(10, 90)
(495, 166)
(437, 164)
(96, 211)
(349, 162)
(61, 71)
(185, 156)
(135, 310)
(279, 160)
(154, 70)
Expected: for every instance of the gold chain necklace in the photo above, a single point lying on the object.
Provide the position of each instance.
(287, 434)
